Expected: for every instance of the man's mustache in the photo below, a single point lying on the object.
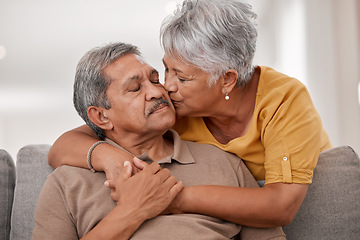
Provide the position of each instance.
(157, 103)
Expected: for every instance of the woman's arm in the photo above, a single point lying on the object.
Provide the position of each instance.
(274, 205)
(71, 148)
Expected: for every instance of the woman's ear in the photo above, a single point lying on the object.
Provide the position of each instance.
(230, 80)
(98, 116)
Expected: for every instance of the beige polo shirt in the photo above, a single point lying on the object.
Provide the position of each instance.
(74, 200)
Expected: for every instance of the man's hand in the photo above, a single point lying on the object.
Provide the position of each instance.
(151, 190)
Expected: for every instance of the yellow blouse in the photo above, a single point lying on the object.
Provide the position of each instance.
(286, 133)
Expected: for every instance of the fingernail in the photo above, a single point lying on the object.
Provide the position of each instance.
(106, 183)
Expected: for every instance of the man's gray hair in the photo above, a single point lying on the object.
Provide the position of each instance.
(91, 82)
(213, 35)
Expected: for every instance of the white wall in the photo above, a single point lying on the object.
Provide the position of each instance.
(316, 41)
(334, 66)
(44, 40)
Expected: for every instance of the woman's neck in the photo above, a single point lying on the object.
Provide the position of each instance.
(234, 118)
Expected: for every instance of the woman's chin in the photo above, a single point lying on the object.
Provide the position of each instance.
(179, 112)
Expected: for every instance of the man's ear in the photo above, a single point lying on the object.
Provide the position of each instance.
(98, 116)
(229, 80)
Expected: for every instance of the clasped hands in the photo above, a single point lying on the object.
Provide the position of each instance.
(148, 187)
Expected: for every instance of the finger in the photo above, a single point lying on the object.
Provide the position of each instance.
(136, 170)
(109, 184)
(176, 189)
(163, 174)
(139, 164)
(125, 174)
(153, 168)
(170, 182)
(113, 195)
(127, 169)
(113, 174)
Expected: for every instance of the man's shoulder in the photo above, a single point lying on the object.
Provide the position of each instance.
(66, 170)
(69, 173)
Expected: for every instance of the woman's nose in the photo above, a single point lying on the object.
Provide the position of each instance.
(170, 85)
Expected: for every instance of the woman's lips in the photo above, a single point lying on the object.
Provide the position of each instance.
(176, 103)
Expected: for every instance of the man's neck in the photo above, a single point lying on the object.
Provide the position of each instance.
(156, 146)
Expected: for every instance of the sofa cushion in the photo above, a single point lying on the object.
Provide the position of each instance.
(32, 170)
(331, 208)
(7, 183)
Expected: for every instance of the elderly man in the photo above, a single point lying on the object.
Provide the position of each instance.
(120, 97)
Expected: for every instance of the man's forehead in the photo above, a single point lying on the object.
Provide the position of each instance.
(141, 59)
(130, 66)
(138, 73)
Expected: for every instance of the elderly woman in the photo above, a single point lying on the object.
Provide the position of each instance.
(265, 117)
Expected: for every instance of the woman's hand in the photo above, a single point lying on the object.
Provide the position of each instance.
(151, 190)
(110, 159)
(135, 164)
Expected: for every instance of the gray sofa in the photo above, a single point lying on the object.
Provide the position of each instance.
(331, 209)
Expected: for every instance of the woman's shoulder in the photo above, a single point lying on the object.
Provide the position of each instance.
(277, 88)
(279, 94)
(272, 81)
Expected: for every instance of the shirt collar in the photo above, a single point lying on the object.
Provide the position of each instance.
(181, 152)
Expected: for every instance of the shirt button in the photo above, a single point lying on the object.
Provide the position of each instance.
(285, 159)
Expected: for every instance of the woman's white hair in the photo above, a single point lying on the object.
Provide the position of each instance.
(213, 35)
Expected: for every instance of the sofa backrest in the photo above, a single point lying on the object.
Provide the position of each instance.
(7, 183)
(32, 170)
(331, 208)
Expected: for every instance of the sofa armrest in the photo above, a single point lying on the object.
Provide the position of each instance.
(7, 184)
